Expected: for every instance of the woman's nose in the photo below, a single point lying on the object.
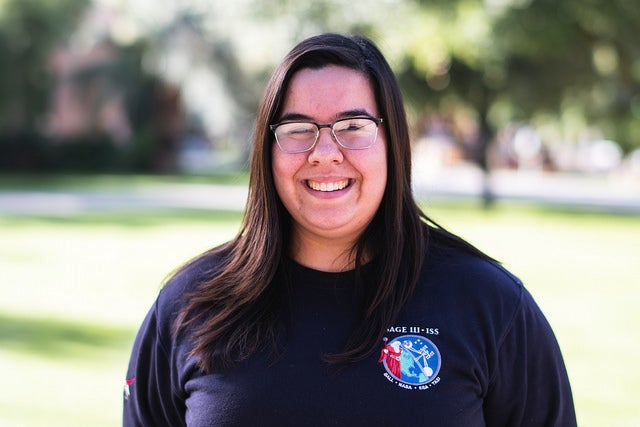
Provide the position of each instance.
(326, 149)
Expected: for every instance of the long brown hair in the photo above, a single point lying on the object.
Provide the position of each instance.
(231, 314)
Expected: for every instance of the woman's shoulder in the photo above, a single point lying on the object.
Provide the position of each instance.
(466, 270)
(185, 280)
(469, 291)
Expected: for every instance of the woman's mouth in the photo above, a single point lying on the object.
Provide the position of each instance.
(328, 186)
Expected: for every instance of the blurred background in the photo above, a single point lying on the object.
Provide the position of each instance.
(125, 132)
(124, 86)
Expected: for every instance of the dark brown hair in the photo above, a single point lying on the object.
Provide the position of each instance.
(231, 315)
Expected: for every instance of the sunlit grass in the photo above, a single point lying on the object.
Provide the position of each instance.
(71, 298)
(74, 290)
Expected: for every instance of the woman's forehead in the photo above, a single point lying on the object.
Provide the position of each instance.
(332, 91)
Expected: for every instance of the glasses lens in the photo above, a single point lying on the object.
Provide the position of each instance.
(296, 137)
(356, 133)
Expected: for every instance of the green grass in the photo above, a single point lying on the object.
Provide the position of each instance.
(16, 181)
(74, 291)
(71, 297)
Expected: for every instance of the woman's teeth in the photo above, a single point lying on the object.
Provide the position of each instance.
(328, 186)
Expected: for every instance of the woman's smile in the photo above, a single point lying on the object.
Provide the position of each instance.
(328, 186)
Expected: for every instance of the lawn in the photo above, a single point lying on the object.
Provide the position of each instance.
(74, 290)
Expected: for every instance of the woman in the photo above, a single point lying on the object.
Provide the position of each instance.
(339, 302)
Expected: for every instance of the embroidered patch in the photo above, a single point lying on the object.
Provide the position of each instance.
(411, 362)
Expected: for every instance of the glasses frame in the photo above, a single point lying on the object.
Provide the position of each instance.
(376, 120)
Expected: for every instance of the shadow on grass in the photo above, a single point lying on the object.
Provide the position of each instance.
(59, 338)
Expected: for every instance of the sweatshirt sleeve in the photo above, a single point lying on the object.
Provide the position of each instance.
(529, 386)
(152, 395)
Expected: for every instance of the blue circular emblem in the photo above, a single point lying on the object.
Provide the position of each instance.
(411, 359)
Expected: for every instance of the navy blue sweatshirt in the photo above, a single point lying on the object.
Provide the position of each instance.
(471, 348)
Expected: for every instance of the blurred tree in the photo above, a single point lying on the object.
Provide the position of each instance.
(496, 61)
(574, 62)
(521, 59)
(576, 55)
(28, 31)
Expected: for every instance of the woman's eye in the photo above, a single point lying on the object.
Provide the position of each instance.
(300, 131)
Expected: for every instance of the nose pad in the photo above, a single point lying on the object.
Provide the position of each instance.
(326, 148)
(327, 134)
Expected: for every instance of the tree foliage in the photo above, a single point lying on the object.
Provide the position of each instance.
(523, 60)
(571, 65)
(29, 29)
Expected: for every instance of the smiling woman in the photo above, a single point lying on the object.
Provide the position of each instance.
(339, 301)
(332, 193)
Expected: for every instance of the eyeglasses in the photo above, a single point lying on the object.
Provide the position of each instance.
(353, 133)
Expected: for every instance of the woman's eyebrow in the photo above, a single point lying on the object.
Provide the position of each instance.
(294, 116)
(344, 114)
(354, 113)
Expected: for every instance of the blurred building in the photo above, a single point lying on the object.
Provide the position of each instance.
(86, 99)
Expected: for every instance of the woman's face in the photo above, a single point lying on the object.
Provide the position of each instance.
(331, 192)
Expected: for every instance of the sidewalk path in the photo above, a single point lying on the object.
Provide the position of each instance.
(151, 198)
(568, 191)
(583, 192)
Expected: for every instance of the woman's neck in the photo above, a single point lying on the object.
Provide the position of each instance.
(323, 254)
